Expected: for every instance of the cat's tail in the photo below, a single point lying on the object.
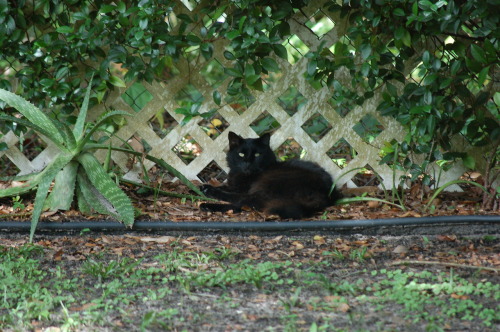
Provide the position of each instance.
(299, 208)
(286, 211)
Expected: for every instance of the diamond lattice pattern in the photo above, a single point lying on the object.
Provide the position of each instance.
(305, 121)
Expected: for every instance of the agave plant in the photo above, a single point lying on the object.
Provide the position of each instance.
(74, 168)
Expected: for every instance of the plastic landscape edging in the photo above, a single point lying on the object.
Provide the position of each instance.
(251, 226)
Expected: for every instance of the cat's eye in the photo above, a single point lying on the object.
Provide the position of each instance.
(241, 154)
(257, 154)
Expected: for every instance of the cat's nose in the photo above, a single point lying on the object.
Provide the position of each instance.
(246, 167)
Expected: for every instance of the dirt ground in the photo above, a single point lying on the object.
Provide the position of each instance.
(416, 278)
(310, 282)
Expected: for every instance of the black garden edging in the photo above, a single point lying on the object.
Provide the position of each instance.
(406, 226)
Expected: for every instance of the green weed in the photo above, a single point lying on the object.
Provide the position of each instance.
(106, 270)
(162, 320)
(17, 203)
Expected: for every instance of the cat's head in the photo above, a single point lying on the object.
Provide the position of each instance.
(249, 155)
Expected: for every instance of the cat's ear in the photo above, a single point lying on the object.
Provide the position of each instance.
(264, 139)
(234, 140)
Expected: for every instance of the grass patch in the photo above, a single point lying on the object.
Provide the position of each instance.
(177, 289)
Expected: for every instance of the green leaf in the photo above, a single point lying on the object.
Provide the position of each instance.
(242, 22)
(157, 161)
(365, 50)
(399, 12)
(15, 191)
(121, 7)
(89, 197)
(251, 79)
(44, 180)
(233, 34)
(116, 81)
(24, 122)
(445, 83)
(116, 202)
(82, 115)
(425, 58)
(233, 72)
(311, 66)
(455, 67)
(249, 70)
(469, 162)
(62, 72)
(406, 38)
(270, 64)
(41, 195)
(478, 53)
(217, 97)
(62, 194)
(35, 116)
(228, 55)
(98, 123)
(258, 85)
(429, 79)
(280, 51)
(496, 98)
(65, 29)
(431, 124)
(104, 9)
(481, 78)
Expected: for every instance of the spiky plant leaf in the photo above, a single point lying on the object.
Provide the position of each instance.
(14, 191)
(98, 123)
(44, 180)
(177, 174)
(41, 195)
(119, 203)
(69, 138)
(23, 122)
(35, 115)
(92, 199)
(34, 179)
(82, 115)
(157, 161)
(83, 205)
(63, 192)
(24, 177)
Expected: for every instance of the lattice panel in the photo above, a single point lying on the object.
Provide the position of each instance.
(301, 118)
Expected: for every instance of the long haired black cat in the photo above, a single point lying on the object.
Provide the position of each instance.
(290, 189)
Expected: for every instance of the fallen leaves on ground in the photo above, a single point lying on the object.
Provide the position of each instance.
(466, 252)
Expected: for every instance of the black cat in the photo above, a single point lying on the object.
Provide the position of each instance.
(290, 189)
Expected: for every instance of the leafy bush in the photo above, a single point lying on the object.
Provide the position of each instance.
(49, 46)
(453, 46)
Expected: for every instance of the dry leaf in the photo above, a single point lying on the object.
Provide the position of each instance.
(161, 239)
(58, 255)
(400, 250)
(459, 297)
(82, 307)
(318, 240)
(447, 238)
(298, 245)
(343, 307)
(275, 240)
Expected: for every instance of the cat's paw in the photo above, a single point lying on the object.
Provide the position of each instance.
(208, 190)
(205, 207)
(216, 207)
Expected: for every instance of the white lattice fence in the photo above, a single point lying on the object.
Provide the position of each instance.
(196, 74)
